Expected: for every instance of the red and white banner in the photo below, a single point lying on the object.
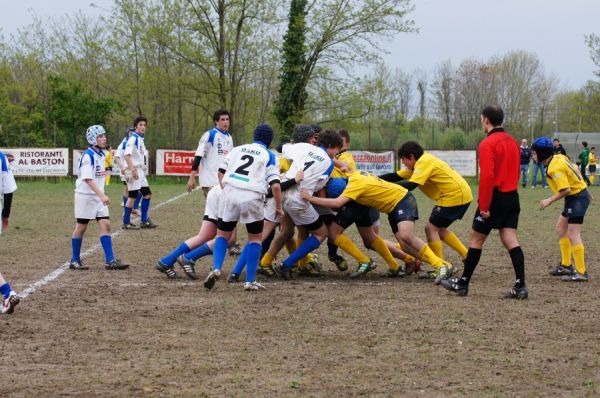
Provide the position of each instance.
(374, 163)
(38, 161)
(174, 162)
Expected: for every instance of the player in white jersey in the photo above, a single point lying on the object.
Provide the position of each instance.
(119, 159)
(213, 147)
(197, 246)
(135, 175)
(246, 174)
(91, 202)
(7, 187)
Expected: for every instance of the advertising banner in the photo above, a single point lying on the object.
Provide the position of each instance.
(38, 162)
(174, 162)
(464, 162)
(374, 163)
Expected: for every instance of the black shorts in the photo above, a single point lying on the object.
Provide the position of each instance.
(592, 168)
(504, 213)
(352, 213)
(405, 210)
(443, 216)
(374, 213)
(576, 206)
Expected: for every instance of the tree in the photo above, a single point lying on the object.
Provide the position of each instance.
(593, 42)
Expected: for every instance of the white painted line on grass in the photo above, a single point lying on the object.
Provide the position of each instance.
(57, 272)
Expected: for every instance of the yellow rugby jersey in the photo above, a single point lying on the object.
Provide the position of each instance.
(371, 191)
(108, 159)
(563, 174)
(284, 164)
(347, 158)
(592, 159)
(440, 182)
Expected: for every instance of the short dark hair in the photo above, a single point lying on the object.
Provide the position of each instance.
(593, 147)
(410, 148)
(139, 119)
(344, 134)
(584, 143)
(494, 114)
(330, 138)
(556, 139)
(218, 113)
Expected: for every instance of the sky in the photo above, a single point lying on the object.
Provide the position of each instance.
(449, 29)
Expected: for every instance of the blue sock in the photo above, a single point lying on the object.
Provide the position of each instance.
(219, 252)
(201, 251)
(145, 208)
(136, 204)
(331, 249)
(253, 250)
(170, 258)
(127, 216)
(124, 200)
(5, 290)
(241, 262)
(311, 243)
(106, 241)
(76, 248)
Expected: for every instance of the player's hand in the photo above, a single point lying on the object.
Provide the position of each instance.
(304, 194)
(127, 175)
(279, 212)
(4, 223)
(191, 184)
(299, 176)
(485, 214)
(545, 203)
(134, 174)
(105, 200)
(345, 168)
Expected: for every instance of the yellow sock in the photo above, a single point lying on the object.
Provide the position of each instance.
(349, 247)
(380, 247)
(592, 178)
(266, 260)
(107, 180)
(437, 248)
(579, 258)
(452, 240)
(565, 251)
(409, 259)
(428, 256)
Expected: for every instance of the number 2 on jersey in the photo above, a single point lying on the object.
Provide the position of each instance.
(243, 168)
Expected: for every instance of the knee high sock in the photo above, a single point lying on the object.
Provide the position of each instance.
(136, 203)
(518, 261)
(407, 257)
(579, 257)
(5, 290)
(200, 251)
(349, 247)
(473, 257)
(437, 248)
(331, 248)
(428, 256)
(380, 247)
(252, 250)
(241, 262)
(592, 178)
(266, 260)
(452, 240)
(219, 252)
(145, 208)
(565, 251)
(76, 248)
(170, 258)
(127, 215)
(310, 244)
(106, 242)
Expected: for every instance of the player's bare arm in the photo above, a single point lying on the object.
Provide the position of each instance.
(276, 189)
(133, 170)
(324, 202)
(557, 196)
(94, 187)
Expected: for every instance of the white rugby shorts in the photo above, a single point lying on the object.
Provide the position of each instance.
(299, 210)
(241, 205)
(136, 185)
(88, 207)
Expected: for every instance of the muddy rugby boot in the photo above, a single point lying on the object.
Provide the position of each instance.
(453, 285)
(77, 265)
(398, 273)
(576, 277)
(212, 278)
(148, 224)
(165, 269)
(115, 265)
(363, 268)
(519, 293)
(281, 270)
(129, 226)
(9, 303)
(339, 261)
(233, 278)
(253, 286)
(562, 270)
(188, 267)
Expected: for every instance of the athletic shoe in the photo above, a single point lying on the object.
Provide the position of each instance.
(233, 278)
(129, 226)
(413, 267)
(399, 273)
(561, 270)
(453, 285)
(115, 265)
(266, 270)
(442, 273)
(285, 273)
(519, 293)
(165, 269)
(212, 278)
(188, 267)
(533, 187)
(9, 303)
(148, 224)
(339, 261)
(253, 286)
(363, 268)
(314, 262)
(77, 265)
(576, 277)
(309, 271)
(235, 250)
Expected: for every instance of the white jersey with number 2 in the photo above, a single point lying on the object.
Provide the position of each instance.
(250, 167)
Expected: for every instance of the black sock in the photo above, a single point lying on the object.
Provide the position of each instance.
(267, 243)
(473, 256)
(331, 248)
(518, 260)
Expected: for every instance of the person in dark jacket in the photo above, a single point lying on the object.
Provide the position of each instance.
(525, 159)
(558, 148)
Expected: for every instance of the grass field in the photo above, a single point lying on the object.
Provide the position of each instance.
(135, 333)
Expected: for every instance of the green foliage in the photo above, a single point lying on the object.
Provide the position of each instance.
(454, 139)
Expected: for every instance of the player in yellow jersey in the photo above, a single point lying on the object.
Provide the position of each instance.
(108, 163)
(566, 182)
(592, 164)
(440, 183)
(400, 206)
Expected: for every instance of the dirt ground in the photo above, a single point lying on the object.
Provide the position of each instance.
(135, 333)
